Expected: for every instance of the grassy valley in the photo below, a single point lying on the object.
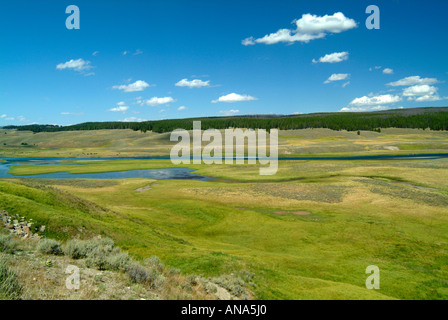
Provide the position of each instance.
(308, 232)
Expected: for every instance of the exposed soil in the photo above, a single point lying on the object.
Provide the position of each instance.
(143, 189)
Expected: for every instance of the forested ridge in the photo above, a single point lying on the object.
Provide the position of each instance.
(417, 118)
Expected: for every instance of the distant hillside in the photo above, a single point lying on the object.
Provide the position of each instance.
(434, 118)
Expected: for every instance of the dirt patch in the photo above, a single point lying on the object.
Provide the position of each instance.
(391, 148)
(297, 213)
(143, 189)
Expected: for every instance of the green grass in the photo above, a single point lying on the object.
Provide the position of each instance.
(127, 143)
(392, 214)
(212, 228)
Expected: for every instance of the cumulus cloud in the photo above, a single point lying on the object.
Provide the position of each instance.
(388, 71)
(78, 65)
(119, 109)
(412, 81)
(234, 97)
(182, 108)
(419, 90)
(308, 28)
(337, 77)
(370, 101)
(229, 112)
(196, 83)
(422, 93)
(333, 58)
(138, 85)
(155, 101)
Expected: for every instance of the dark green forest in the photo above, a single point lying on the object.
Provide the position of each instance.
(418, 118)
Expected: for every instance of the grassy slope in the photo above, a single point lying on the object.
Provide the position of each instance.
(211, 227)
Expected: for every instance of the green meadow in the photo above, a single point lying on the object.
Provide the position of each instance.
(308, 232)
(129, 143)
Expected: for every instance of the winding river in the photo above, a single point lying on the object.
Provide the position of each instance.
(166, 173)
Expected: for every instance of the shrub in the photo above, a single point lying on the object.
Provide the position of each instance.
(80, 249)
(50, 246)
(99, 256)
(118, 261)
(10, 288)
(77, 249)
(154, 263)
(140, 274)
(231, 283)
(8, 243)
(148, 276)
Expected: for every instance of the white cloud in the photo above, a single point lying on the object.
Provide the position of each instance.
(375, 100)
(337, 77)
(155, 101)
(308, 28)
(182, 108)
(138, 85)
(95, 53)
(363, 109)
(138, 52)
(5, 117)
(229, 112)
(248, 41)
(419, 90)
(345, 84)
(196, 83)
(234, 97)
(133, 119)
(422, 93)
(388, 71)
(119, 109)
(78, 65)
(429, 97)
(412, 81)
(333, 57)
(121, 103)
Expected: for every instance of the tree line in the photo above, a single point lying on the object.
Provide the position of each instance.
(437, 120)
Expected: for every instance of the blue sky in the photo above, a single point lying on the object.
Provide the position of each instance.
(226, 57)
